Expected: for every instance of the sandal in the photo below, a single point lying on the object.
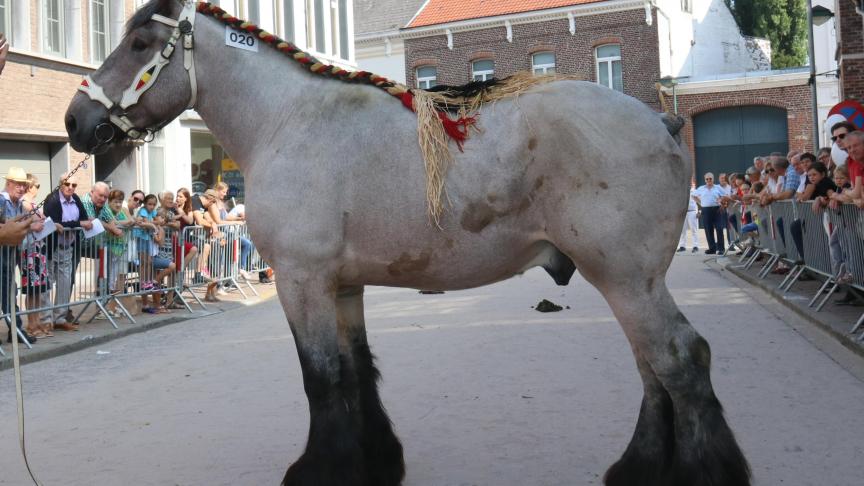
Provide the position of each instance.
(149, 310)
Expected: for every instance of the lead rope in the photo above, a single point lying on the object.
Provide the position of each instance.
(13, 325)
(19, 395)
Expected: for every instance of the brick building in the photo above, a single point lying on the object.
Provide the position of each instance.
(850, 48)
(736, 106)
(54, 43)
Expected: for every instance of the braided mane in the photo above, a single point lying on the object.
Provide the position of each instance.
(433, 106)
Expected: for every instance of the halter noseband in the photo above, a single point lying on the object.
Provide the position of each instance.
(146, 78)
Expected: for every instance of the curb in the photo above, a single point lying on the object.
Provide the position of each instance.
(84, 343)
(37, 354)
(848, 341)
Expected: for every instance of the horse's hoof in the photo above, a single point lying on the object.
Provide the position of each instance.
(309, 472)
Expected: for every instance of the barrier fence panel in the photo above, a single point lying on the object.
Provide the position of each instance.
(58, 278)
(216, 259)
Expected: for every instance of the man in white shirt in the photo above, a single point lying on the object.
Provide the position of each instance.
(691, 223)
(708, 198)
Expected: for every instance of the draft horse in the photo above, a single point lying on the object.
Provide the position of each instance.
(569, 175)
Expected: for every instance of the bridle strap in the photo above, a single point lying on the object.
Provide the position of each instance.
(147, 75)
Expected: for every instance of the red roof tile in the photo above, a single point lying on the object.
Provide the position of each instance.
(444, 11)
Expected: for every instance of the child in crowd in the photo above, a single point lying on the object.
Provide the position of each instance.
(161, 251)
(144, 240)
(117, 246)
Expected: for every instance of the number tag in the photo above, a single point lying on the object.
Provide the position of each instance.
(240, 40)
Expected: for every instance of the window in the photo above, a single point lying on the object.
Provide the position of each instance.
(247, 10)
(482, 70)
(99, 40)
(320, 38)
(52, 27)
(543, 63)
(427, 77)
(609, 67)
(343, 29)
(6, 19)
(284, 19)
(687, 6)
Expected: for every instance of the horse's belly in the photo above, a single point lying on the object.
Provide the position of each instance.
(451, 267)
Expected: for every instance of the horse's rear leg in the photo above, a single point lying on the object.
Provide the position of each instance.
(681, 437)
(349, 434)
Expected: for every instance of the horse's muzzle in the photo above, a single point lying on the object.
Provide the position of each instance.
(87, 125)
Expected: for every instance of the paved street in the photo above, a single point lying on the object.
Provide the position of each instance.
(483, 390)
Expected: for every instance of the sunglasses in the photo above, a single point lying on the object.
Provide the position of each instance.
(709, 179)
(770, 171)
(839, 137)
(73, 185)
(37, 186)
(137, 199)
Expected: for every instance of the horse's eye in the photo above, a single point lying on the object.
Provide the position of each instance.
(138, 45)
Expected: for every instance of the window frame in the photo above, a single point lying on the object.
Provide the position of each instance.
(284, 21)
(431, 81)
(61, 23)
(6, 26)
(609, 63)
(106, 33)
(546, 66)
(485, 74)
(687, 6)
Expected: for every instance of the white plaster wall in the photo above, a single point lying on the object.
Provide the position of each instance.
(373, 58)
(705, 42)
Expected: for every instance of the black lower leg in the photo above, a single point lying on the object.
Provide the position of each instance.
(650, 452)
(381, 448)
(333, 455)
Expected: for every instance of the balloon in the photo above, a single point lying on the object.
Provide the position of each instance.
(838, 155)
(833, 120)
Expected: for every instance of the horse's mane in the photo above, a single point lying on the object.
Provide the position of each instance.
(144, 14)
(443, 112)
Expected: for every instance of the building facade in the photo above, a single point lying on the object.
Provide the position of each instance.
(724, 85)
(54, 43)
(850, 47)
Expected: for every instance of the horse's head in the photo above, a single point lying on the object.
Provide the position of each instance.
(145, 83)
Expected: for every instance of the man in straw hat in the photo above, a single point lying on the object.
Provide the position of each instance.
(12, 210)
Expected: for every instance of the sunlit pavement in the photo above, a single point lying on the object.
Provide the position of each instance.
(482, 390)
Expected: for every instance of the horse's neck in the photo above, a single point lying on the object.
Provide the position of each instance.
(250, 100)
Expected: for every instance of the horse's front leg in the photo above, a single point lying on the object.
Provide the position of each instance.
(382, 450)
(333, 454)
(351, 441)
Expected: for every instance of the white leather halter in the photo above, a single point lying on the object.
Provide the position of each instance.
(146, 77)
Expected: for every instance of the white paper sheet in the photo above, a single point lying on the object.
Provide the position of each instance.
(97, 229)
(47, 230)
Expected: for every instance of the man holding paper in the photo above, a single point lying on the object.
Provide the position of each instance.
(12, 210)
(64, 207)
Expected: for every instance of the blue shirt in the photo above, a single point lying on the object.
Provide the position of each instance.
(793, 180)
(142, 233)
(709, 197)
(10, 209)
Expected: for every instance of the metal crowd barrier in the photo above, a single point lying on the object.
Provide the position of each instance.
(841, 265)
(216, 260)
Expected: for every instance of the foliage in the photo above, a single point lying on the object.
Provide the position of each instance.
(783, 22)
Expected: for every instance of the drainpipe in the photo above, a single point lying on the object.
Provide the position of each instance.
(812, 80)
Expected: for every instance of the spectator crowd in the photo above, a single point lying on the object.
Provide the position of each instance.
(799, 176)
(136, 239)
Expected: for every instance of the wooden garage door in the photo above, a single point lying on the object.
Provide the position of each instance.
(33, 157)
(727, 139)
